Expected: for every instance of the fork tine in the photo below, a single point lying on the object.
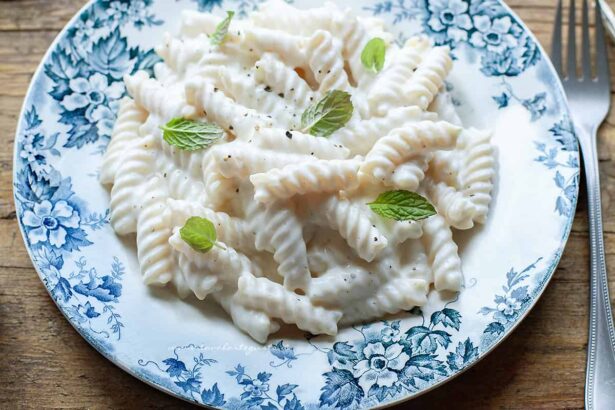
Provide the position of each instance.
(586, 52)
(571, 70)
(556, 47)
(602, 62)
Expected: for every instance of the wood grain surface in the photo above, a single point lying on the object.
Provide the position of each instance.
(44, 363)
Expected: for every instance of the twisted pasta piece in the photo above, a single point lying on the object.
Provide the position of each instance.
(180, 184)
(288, 46)
(295, 21)
(408, 175)
(387, 92)
(360, 136)
(222, 110)
(241, 160)
(278, 230)
(442, 254)
(299, 143)
(219, 190)
(191, 278)
(444, 167)
(300, 179)
(397, 232)
(155, 98)
(453, 205)
(138, 164)
(354, 38)
(222, 261)
(247, 92)
(179, 54)
(353, 224)
(392, 297)
(276, 301)
(125, 132)
(194, 23)
(284, 81)
(477, 172)
(230, 230)
(153, 231)
(402, 143)
(326, 62)
(429, 77)
(255, 323)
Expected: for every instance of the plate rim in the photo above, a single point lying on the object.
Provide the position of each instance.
(107, 354)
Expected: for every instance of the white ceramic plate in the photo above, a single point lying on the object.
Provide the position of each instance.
(190, 349)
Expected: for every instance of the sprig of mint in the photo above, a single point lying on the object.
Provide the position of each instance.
(328, 115)
(199, 233)
(373, 55)
(219, 35)
(191, 135)
(402, 206)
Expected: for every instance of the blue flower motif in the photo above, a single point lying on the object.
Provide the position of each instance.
(381, 366)
(48, 222)
(449, 20)
(88, 310)
(105, 289)
(496, 35)
(98, 96)
(256, 388)
(509, 306)
(390, 334)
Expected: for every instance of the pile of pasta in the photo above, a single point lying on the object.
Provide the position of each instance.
(299, 245)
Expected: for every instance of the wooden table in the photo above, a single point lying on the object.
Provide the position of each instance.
(45, 363)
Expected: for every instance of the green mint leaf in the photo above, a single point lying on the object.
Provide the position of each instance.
(327, 115)
(219, 35)
(191, 135)
(199, 233)
(402, 206)
(373, 54)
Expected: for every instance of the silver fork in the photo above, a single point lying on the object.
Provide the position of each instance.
(589, 100)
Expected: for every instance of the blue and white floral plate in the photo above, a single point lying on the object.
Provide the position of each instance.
(502, 80)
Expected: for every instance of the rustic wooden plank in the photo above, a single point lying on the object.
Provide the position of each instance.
(46, 364)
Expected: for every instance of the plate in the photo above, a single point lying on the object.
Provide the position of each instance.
(502, 80)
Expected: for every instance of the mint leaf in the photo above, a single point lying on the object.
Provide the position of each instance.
(219, 35)
(199, 233)
(191, 135)
(373, 55)
(327, 115)
(402, 206)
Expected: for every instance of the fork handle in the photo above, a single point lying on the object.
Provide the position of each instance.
(600, 376)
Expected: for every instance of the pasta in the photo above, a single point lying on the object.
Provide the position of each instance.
(283, 211)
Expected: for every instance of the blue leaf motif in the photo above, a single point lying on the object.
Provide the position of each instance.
(559, 180)
(464, 354)
(263, 377)
(269, 406)
(536, 105)
(424, 367)
(293, 404)
(284, 390)
(32, 118)
(520, 293)
(90, 311)
(110, 55)
(494, 328)
(208, 5)
(340, 390)
(425, 340)
(61, 290)
(342, 352)
(282, 352)
(448, 318)
(190, 385)
(502, 100)
(213, 397)
(176, 367)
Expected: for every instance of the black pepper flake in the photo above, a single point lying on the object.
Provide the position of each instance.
(311, 98)
(328, 71)
(311, 153)
(245, 115)
(165, 175)
(230, 127)
(237, 190)
(215, 89)
(375, 239)
(281, 95)
(292, 90)
(268, 89)
(319, 71)
(289, 135)
(252, 50)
